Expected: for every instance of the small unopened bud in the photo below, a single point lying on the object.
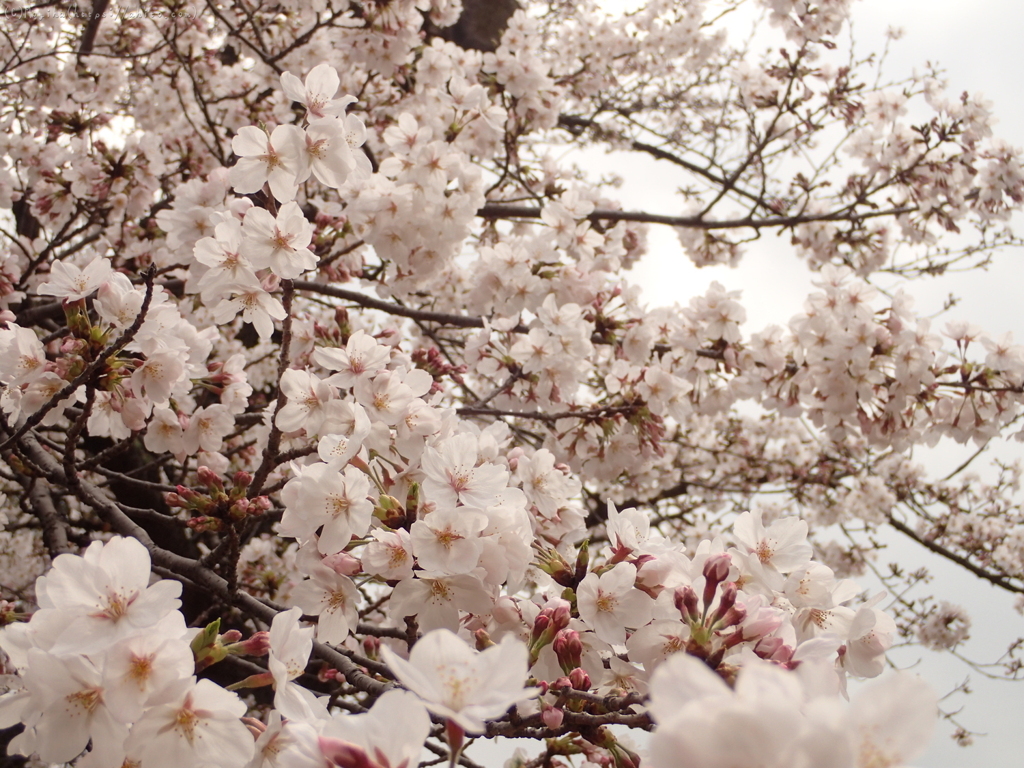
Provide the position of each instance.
(579, 679)
(716, 570)
(568, 649)
(685, 601)
(552, 563)
(257, 645)
(210, 479)
(204, 524)
(726, 601)
(343, 563)
(327, 674)
(582, 563)
(371, 646)
(233, 636)
(733, 617)
(773, 649)
(552, 716)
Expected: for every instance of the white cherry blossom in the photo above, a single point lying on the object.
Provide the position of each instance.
(461, 684)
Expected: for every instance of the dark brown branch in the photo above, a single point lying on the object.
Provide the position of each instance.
(270, 458)
(508, 211)
(938, 549)
(55, 527)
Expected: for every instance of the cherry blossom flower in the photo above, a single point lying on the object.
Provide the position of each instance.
(279, 243)
(389, 555)
(361, 356)
(72, 282)
(66, 710)
(262, 160)
(452, 474)
(197, 723)
(463, 685)
(387, 396)
(257, 306)
(139, 668)
(290, 646)
(104, 595)
(447, 540)
(781, 548)
(390, 735)
(317, 92)
(609, 603)
(435, 599)
(332, 597)
(323, 497)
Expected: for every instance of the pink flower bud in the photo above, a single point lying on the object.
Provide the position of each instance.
(579, 679)
(540, 626)
(371, 646)
(568, 648)
(716, 570)
(685, 601)
(552, 717)
(343, 563)
(773, 649)
(726, 601)
(209, 478)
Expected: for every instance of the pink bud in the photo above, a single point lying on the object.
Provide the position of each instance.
(716, 570)
(343, 563)
(568, 649)
(540, 624)
(209, 478)
(580, 680)
(482, 640)
(371, 646)
(257, 645)
(726, 601)
(552, 717)
(685, 600)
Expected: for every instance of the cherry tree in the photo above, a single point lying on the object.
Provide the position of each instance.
(333, 429)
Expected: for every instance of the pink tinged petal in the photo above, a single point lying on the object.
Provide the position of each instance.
(248, 175)
(283, 185)
(263, 324)
(417, 677)
(62, 733)
(323, 80)
(249, 140)
(293, 87)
